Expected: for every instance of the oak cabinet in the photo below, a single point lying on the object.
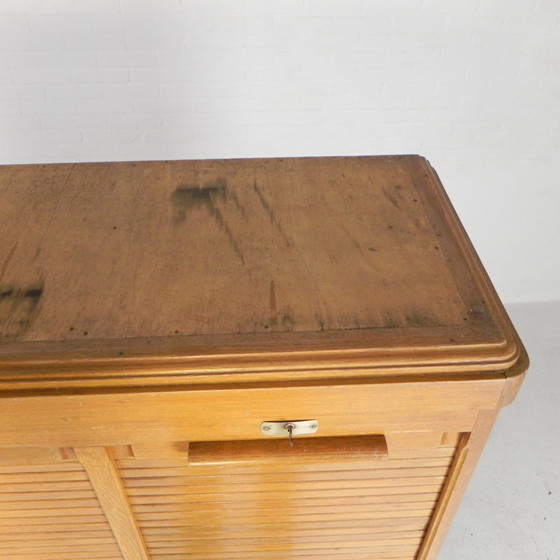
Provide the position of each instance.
(268, 358)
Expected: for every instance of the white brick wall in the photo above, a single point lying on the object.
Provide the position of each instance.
(473, 85)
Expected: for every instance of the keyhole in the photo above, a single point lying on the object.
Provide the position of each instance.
(290, 427)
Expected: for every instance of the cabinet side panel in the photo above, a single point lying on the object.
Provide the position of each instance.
(467, 456)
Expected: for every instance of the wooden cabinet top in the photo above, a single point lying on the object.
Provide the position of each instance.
(237, 269)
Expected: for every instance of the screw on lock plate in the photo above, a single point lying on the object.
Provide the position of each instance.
(290, 428)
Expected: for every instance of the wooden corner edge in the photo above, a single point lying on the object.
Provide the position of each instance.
(514, 377)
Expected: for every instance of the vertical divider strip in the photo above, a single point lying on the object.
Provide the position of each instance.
(108, 487)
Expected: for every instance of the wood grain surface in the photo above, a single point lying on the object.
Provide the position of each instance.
(331, 509)
(156, 249)
(300, 450)
(109, 490)
(193, 266)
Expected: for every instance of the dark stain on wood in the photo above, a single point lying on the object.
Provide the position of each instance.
(7, 260)
(418, 318)
(209, 197)
(320, 322)
(477, 313)
(34, 293)
(267, 207)
(405, 200)
(394, 195)
(282, 318)
(188, 197)
(391, 321)
(18, 310)
(232, 195)
(272, 299)
(288, 322)
(264, 203)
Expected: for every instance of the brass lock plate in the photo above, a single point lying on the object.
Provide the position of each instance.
(290, 427)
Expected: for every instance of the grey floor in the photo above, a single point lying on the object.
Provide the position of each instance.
(512, 507)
